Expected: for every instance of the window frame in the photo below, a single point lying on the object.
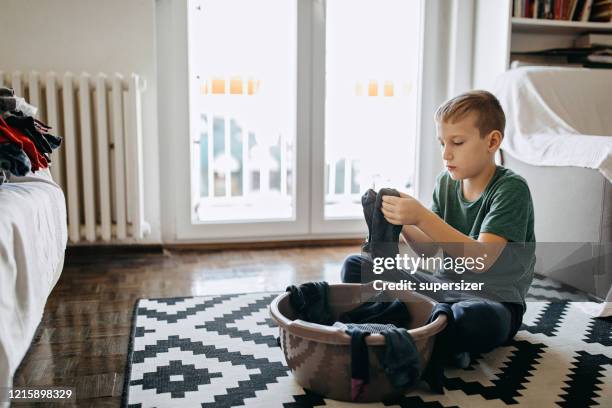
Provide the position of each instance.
(309, 223)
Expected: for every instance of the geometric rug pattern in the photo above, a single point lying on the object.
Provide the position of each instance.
(221, 351)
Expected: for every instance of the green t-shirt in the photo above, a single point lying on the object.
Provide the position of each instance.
(504, 208)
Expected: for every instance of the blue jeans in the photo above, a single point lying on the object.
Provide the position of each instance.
(481, 324)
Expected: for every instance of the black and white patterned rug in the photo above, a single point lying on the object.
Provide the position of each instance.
(221, 351)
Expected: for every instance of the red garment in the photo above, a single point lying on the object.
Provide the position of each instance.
(13, 135)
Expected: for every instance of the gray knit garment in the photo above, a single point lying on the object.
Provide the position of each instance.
(366, 327)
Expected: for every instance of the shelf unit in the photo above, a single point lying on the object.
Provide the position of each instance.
(530, 34)
(551, 27)
(497, 35)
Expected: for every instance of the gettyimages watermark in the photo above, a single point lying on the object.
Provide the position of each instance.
(37, 394)
(450, 272)
(458, 264)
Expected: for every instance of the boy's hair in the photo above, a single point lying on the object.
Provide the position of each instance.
(489, 113)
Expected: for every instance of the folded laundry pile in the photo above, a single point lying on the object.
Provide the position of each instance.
(25, 142)
(400, 360)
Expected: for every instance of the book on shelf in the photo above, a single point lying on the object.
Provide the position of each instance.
(586, 10)
(590, 40)
(574, 57)
(577, 10)
(520, 62)
(601, 57)
(557, 51)
(601, 11)
(546, 60)
(597, 65)
(569, 10)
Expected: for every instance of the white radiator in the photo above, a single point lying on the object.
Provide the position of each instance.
(99, 164)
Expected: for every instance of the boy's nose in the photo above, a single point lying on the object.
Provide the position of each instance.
(446, 154)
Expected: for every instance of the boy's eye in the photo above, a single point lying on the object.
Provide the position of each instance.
(457, 143)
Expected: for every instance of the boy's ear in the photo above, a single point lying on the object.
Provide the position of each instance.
(494, 139)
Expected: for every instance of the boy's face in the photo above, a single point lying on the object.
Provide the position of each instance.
(464, 152)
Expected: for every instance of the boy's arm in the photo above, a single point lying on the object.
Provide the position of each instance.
(507, 220)
(420, 242)
(488, 246)
(406, 210)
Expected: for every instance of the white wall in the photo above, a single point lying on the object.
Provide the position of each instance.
(434, 91)
(92, 36)
(491, 41)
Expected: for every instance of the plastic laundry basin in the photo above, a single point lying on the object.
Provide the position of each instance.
(319, 356)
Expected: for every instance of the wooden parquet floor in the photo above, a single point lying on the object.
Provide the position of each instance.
(83, 338)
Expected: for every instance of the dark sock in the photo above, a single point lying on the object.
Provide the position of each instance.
(385, 236)
(368, 202)
(360, 364)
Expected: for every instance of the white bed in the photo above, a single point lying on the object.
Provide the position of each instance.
(33, 235)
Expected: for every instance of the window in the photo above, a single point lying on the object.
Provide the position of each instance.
(296, 108)
(243, 74)
(372, 64)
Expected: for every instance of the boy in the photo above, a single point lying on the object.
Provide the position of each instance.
(481, 211)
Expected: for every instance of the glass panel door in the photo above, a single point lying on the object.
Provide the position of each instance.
(296, 107)
(242, 63)
(372, 61)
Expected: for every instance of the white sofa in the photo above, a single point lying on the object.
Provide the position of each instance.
(573, 224)
(558, 136)
(33, 236)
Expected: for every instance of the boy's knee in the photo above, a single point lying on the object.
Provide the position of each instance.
(351, 269)
(481, 326)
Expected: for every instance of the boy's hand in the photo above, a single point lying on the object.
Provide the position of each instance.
(402, 210)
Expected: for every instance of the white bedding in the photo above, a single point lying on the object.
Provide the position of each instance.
(558, 116)
(33, 236)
